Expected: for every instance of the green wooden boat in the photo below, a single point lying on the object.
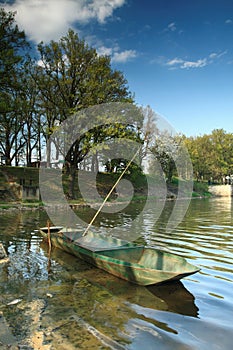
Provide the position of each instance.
(129, 261)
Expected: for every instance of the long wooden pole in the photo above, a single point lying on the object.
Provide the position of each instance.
(109, 193)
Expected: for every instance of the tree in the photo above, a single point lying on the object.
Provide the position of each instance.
(147, 133)
(200, 150)
(75, 77)
(71, 77)
(221, 155)
(12, 42)
(211, 154)
(164, 150)
(10, 127)
(31, 113)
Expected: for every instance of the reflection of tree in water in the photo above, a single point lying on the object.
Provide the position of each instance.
(112, 219)
(27, 263)
(17, 225)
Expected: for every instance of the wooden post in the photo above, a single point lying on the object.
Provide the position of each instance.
(49, 237)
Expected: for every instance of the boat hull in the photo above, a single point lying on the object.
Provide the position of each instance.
(160, 267)
(133, 263)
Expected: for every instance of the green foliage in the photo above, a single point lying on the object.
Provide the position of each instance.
(137, 178)
(70, 78)
(12, 43)
(200, 189)
(211, 155)
(36, 96)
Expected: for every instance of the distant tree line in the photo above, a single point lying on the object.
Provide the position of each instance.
(211, 155)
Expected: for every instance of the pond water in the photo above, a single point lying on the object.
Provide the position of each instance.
(59, 302)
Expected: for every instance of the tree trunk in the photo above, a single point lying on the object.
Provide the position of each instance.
(48, 146)
(72, 178)
(95, 162)
(8, 152)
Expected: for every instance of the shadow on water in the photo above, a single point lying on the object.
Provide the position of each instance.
(177, 298)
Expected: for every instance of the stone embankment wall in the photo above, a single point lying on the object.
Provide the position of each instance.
(221, 190)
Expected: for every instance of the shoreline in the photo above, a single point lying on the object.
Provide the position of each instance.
(19, 190)
(10, 206)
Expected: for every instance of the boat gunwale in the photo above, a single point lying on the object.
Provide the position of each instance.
(98, 258)
(57, 232)
(136, 265)
(100, 254)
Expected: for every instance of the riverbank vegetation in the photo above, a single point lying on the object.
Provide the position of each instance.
(12, 178)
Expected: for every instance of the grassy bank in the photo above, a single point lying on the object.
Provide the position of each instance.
(13, 178)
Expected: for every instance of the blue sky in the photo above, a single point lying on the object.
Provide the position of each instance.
(177, 55)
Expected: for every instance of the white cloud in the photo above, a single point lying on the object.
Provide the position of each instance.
(102, 51)
(187, 64)
(50, 19)
(175, 61)
(117, 55)
(215, 55)
(124, 56)
(184, 64)
(194, 64)
(228, 21)
(172, 26)
(104, 8)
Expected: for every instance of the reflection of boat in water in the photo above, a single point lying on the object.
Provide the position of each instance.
(177, 298)
(171, 297)
(137, 264)
(108, 308)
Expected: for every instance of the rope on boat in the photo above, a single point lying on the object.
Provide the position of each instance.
(110, 192)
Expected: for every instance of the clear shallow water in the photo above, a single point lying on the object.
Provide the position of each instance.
(63, 303)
